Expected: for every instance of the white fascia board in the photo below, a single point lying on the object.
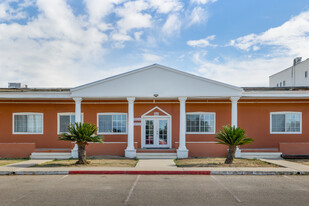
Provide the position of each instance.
(35, 95)
(153, 66)
(291, 94)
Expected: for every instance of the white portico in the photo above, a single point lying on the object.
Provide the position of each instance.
(156, 82)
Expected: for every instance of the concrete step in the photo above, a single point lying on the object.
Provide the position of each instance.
(259, 150)
(156, 151)
(258, 155)
(152, 155)
(56, 150)
(50, 155)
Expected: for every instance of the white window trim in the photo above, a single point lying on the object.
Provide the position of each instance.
(65, 113)
(300, 122)
(214, 132)
(27, 113)
(112, 133)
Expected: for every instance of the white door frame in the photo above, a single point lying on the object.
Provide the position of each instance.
(169, 131)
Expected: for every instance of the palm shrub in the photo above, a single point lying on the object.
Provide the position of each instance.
(232, 136)
(81, 133)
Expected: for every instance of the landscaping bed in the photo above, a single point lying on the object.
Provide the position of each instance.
(121, 162)
(7, 161)
(219, 162)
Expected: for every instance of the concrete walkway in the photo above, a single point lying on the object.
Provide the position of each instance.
(159, 165)
(288, 164)
(151, 164)
(21, 165)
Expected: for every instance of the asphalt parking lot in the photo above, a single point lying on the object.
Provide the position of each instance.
(154, 190)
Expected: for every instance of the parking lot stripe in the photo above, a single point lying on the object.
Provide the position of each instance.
(227, 189)
(131, 190)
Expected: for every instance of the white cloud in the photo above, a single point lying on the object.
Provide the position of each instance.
(52, 49)
(166, 6)
(138, 34)
(8, 13)
(285, 42)
(172, 25)
(132, 16)
(151, 57)
(202, 42)
(203, 1)
(198, 15)
(292, 37)
(240, 72)
(99, 9)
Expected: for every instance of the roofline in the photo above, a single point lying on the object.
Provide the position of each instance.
(289, 67)
(149, 67)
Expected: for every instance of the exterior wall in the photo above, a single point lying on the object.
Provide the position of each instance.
(301, 148)
(49, 138)
(286, 75)
(205, 149)
(254, 117)
(114, 149)
(16, 150)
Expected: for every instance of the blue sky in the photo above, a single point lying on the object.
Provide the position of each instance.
(67, 43)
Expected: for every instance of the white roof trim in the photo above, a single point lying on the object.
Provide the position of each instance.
(35, 95)
(167, 114)
(276, 94)
(150, 67)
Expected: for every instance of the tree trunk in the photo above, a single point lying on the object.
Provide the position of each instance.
(81, 154)
(230, 155)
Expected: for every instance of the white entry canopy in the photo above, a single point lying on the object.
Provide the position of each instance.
(155, 79)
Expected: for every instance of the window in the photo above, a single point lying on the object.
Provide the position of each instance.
(27, 123)
(201, 123)
(284, 83)
(64, 119)
(280, 84)
(112, 123)
(306, 74)
(277, 85)
(285, 122)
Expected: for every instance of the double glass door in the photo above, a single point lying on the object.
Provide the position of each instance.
(156, 133)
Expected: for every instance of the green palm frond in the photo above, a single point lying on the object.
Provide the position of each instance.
(81, 133)
(231, 135)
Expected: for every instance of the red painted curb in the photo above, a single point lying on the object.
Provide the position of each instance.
(76, 172)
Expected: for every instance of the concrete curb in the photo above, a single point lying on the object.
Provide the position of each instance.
(152, 172)
(140, 172)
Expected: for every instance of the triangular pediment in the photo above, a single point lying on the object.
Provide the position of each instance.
(156, 79)
(156, 111)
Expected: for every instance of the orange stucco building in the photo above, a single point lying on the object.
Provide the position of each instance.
(155, 111)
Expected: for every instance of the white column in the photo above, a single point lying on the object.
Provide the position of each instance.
(182, 151)
(130, 151)
(234, 110)
(234, 121)
(78, 102)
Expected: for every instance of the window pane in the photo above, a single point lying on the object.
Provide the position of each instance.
(20, 123)
(193, 122)
(292, 122)
(207, 123)
(64, 122)
(72, 118)
(105, 123)
(278, 123)
(119, 123)
(28, 123)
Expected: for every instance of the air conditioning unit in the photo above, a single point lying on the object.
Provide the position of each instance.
(16, 85)
(296, 61)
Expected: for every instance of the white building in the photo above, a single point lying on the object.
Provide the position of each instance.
(294, 76)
